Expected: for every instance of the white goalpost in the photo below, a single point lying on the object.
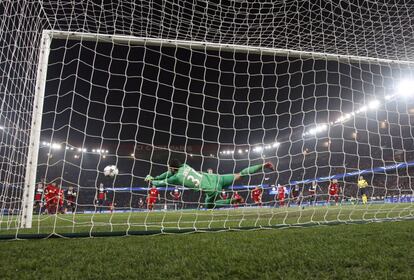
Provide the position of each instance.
(95, 103)
(34, 142)
(148, 41)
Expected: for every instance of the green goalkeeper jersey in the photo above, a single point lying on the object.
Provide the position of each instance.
(186, 176)
(211, 184)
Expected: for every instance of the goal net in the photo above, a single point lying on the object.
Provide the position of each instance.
(263, 115)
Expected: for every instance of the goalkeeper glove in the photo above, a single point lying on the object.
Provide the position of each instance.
(149, 178)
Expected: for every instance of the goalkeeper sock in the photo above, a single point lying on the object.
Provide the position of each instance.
(251, 169)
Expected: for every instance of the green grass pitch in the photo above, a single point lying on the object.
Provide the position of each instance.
(187, 220)
(365, 251)
(369, 250)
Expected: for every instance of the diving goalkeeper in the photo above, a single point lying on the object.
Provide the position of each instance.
(211, 184)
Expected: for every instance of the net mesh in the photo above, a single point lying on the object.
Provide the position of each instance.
(319, 90)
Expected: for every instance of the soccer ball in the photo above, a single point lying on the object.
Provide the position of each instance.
(111, 171)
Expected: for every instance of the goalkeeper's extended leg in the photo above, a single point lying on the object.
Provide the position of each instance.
(247, 171)
(253, 169)
(227, 180)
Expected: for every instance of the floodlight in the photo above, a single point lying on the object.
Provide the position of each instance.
(276, 144)
(406, 88)
(258, 149)
(56, 146)
(374, 104)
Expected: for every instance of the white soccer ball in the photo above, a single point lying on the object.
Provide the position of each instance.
(111, 171)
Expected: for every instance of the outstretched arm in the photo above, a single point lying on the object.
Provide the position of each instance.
(159, 183)
(163, 182)
(158, 178)
(164, 175)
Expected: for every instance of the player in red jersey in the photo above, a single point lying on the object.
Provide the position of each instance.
(152, 197)
(39, 196)
(280, 195)
(223, 194)
(338, 190)
(52, 198)
(101, 196)
(71, 195)
(237, 199)
(176, 198)
(334, 191)
(61, 200)
(256, 195)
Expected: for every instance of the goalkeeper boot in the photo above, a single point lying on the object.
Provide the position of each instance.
(269, 165)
